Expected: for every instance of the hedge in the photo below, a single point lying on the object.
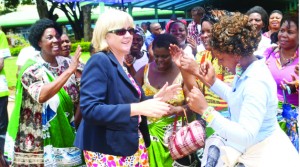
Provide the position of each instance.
(85, 46)
(16, 50)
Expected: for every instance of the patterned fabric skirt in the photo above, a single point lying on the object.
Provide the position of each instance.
(288, 119)
(28, 159)
(139, 159)
(159, 154)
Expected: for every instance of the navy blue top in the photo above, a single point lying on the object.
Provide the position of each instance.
(105, 97)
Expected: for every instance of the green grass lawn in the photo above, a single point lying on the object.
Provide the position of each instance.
(11, 68)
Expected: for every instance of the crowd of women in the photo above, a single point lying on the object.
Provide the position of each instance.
(119, 108)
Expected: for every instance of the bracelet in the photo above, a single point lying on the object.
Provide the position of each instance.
(208, 115)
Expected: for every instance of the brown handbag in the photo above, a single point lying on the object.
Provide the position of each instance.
(187, 139)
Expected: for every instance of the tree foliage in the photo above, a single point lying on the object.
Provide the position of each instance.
(11, 4)
(74, 14)
(72, 10)
(27, 2)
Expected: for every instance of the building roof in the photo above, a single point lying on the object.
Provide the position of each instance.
(168, 4)
(159, 4)
(27, 15)
(141, 8)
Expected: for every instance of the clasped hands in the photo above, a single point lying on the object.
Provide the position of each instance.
(205, 72)
(157, 107)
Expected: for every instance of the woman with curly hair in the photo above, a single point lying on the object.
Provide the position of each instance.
(253, 135)
(213, 141)
(213, 100)
(41, 131)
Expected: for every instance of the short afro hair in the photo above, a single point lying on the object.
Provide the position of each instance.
(37, 31)
(164, 41)
(264, 16)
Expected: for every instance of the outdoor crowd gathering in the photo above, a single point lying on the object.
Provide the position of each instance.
(220, 90)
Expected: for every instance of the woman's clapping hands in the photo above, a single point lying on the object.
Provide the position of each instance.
(167, 92)
(207, 73)
(183, 61)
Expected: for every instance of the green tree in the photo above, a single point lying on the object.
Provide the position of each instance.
(42, 9)
(74, 14)
(87, 30)
(27, 2)
(11, 4)
(72, 11)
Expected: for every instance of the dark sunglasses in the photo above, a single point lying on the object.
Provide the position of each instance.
(122, 31)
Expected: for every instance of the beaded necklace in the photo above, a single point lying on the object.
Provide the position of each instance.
(238, 70)
(288, 60)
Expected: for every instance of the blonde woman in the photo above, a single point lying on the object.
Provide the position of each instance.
(112, 103)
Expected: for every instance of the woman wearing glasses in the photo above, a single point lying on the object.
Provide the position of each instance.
(111, 102)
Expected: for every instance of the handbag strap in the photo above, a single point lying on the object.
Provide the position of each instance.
(174, 125)
(186, 118)
(175, 121)
(284, 96)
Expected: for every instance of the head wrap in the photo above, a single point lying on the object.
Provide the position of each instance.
(139, 31)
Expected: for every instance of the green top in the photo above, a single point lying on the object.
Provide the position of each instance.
(4, 52)
(4, 47)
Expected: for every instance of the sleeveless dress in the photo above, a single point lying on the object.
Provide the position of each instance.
(161, 128)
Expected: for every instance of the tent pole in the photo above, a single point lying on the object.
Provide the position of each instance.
(130, 8)
(156, 12)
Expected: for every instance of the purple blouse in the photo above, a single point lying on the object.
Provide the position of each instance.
(280, 72)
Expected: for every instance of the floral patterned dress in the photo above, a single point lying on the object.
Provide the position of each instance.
(29, 149)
